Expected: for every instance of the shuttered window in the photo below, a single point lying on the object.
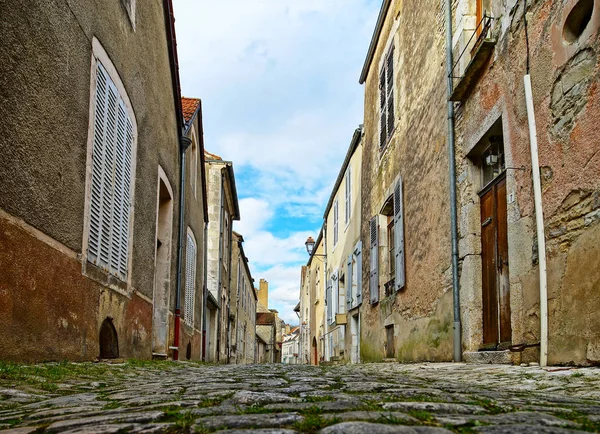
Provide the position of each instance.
(358, 272)
(399, 236)
(374, 264)
(328, 301)
(335, 223)
(350, 294)
(348, 194)
(110, 202)
(190, 281)
(386, 99)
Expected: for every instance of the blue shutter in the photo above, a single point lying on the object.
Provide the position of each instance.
(374, 264)
(399, 235)
(349, 294)
(358, 254)
(328, 300)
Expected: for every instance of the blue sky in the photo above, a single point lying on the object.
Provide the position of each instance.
(279, 86)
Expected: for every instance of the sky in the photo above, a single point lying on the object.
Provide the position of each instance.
(280, 96)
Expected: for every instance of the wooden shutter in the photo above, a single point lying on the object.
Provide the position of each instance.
(374, 266)
(339, 298)
(348, 194)
(399, 235)
(382, 110)
(335, 223)
(358, 254)
(390, 93)
(349, 294)
(190, 282)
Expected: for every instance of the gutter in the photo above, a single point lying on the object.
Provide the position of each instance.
(184, 143)
(374, 40)
(457, 345)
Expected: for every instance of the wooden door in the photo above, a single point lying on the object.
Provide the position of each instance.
(390, 350)
(494, 256)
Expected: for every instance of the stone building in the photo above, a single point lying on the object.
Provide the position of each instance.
(406, 312)
(223, 209)
(195, 223)
(559, 46)
(290, 350)
(343, 250)
(242, 310)
(90, 138)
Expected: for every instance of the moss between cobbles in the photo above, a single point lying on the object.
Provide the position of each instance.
(318, 398)
(313, 420)
(490, 406)
(579, 418)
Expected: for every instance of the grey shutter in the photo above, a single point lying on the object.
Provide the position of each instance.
(328, 300)
(399, 235)
(349, 294)
(358, 253)
(190, 281)
(339, 301)
(374, 266)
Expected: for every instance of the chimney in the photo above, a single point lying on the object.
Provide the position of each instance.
(263, 293)
(287, 329)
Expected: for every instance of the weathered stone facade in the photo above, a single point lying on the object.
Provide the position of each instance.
(53, 300)
(414, 321)
(565, 75)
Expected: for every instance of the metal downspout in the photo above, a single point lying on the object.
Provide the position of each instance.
(325, 341)
(452, 169)
(229, 295)
(205, 292)
(184, 143)
(220, 267)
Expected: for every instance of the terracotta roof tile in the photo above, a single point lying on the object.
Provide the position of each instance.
(189, 105)
(265, 318)
(210, 156)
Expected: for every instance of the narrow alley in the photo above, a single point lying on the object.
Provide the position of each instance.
(169, 397)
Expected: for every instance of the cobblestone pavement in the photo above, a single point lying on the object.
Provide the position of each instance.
(371, 398)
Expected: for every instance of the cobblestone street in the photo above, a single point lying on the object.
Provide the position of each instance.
(374, 398)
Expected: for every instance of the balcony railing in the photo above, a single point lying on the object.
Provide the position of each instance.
(479, 47)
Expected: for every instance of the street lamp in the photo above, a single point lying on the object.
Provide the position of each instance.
(310, 246)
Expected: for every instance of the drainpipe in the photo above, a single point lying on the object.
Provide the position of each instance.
(220, 287)
(205, 291)
(452, 167)
(184, 143)
(539, 221)
(229, 294)
(326, 341)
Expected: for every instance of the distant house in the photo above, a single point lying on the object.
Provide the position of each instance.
(266, 331)
(290, 351)
(223, 210)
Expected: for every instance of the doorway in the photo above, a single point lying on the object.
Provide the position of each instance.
(162, 268)
(494, 257)
(355, 338)
(390, 352)
(315, 352)
(109, 343)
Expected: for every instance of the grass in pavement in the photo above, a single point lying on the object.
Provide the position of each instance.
(313, 420)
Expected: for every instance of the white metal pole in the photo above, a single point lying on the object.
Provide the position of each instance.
(539, 221)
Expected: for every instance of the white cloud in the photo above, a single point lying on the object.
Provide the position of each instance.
(279, 84)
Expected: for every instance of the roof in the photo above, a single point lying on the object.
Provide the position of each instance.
(210, 156)
(353, 145)
(190, 107)
(265, 318)
(374, 40)
(297, 308)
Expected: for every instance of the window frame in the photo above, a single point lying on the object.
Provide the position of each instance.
(387, 98)
(188, 310)
(100, 57)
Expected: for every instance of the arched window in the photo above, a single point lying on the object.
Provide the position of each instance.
(190, 280)
(113, 144)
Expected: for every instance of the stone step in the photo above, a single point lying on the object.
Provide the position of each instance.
(489, 357)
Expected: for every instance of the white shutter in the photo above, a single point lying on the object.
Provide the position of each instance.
(328, 300)
(374, 265)
(335, 223)
(399, 235)
(190, 282)
(348, 194)
(110, 201)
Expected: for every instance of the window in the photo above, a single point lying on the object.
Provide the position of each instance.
(190, 280)
(193, 165)
(335, 223)
(239, 277)
(354, 278)
(386, 99)
(374, 264)
(111, 189)
(348, 194)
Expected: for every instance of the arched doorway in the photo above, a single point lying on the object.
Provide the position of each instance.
(109, 342)
(315, 352)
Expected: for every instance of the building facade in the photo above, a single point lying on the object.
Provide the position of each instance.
(556, 44)
(223, 209)
(89, 200)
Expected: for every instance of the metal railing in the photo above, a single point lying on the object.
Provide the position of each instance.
(485, 25)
